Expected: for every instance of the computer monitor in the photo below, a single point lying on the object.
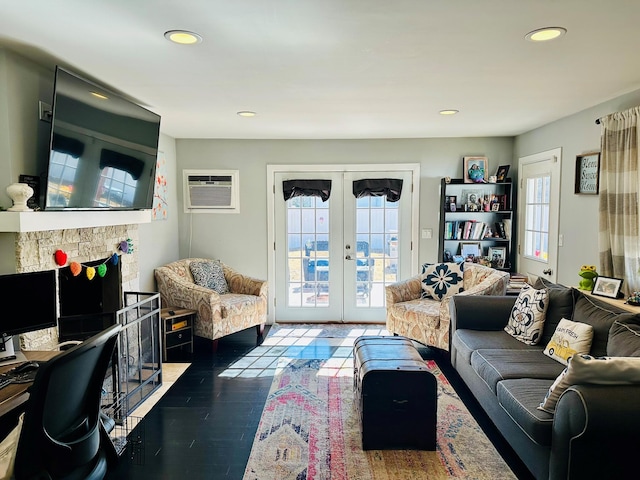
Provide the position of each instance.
(30, 303)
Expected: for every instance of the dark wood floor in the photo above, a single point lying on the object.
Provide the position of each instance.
(203, 427)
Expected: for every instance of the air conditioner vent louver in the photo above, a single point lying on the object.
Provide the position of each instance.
(210, 190)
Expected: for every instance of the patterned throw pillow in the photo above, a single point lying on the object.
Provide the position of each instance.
(441, 280)
(570, 338)
(526, 321)
(210, 275)
(585, 369)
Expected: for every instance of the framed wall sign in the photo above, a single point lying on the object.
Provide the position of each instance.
(588, 173)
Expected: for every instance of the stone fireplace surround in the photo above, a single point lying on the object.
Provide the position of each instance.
(34, 251)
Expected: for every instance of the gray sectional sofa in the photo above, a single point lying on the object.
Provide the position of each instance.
(595, 430)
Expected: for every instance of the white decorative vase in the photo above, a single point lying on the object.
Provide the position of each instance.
(19, 193)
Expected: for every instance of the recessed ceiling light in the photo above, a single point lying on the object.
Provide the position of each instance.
(183, 37)
(545, 34)
(448, 112)
(247, 113)
(101, 96)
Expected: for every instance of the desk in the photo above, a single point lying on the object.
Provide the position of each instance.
(15, 395)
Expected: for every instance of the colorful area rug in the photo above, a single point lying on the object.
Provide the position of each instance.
(310, 430)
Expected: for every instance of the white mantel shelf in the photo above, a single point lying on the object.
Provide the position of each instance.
(41, 221)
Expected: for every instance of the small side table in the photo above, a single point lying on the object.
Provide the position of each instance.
(177, 329)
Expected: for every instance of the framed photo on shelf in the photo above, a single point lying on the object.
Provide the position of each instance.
(470, 199)
(607, 287)
(501, 174)
(470, 249)
(450, 202)
(497, 256)
(588, 173)
(475, 169)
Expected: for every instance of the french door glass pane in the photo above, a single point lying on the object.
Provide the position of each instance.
(376, 249)
(307, 252)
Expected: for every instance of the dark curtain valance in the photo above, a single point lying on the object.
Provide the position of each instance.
(378, 187)
(121, 161)
(67, 145)
(307, 188)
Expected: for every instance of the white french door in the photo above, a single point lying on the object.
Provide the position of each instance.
(539, 206)
(334, 258)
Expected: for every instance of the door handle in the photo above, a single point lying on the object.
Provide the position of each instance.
(547, 271)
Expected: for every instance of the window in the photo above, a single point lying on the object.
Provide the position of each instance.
(536, 230)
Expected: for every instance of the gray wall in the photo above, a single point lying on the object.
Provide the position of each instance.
(159, 239)
(240, 240)
(575, 134)
(23, 137)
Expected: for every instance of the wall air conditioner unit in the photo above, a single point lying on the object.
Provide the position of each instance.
(207, 191)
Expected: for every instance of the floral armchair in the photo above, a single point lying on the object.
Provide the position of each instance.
(427, 320)
(244, 306)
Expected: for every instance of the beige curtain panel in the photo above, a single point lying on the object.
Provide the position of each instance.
(619, 242)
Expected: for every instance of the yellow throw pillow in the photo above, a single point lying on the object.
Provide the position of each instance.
(570, 338)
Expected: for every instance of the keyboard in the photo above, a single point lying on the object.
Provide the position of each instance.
(4, 381)
(24, 377)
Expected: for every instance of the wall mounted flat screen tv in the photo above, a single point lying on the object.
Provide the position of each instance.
(103, 149)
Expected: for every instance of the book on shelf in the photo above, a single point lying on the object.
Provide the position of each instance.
(465, 230)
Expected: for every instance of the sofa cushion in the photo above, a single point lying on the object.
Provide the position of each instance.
(588, 369)
(570, 338)
(493, 366)
(520, 398)
(238, 304)
(601, 316)
(425, 311)
(560, 306)
(528, 315)
(210, 275)
(624, 338)
(467, 341)
(441, 280)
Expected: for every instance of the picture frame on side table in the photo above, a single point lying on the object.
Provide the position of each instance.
(607, 287)
(475, 169)
(588, 173)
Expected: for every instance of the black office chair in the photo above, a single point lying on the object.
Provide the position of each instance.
(63, 436)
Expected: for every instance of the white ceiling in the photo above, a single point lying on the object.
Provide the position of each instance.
(341, 68)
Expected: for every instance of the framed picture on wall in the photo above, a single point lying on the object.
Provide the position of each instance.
(588, 173)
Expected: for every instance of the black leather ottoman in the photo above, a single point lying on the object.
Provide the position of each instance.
(395, 394)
